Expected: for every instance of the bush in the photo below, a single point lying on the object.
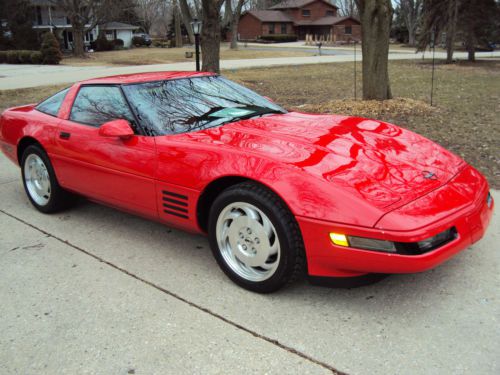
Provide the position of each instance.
(24, 57)
(118, 43)
(36, 57)
(12, 57)
(161, 43)
(20, 57)
(51, 53)
(280, 38)
(102, 43)
(138, 41)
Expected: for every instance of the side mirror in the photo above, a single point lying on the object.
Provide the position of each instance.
(116, 128)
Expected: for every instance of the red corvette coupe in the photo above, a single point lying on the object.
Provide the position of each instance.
(277, 192)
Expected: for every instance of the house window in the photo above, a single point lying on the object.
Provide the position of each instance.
(330, 13)
(348, 30)
(109, 34)
(283, 28)
(271, 28)
(39, 15)
(306, 13)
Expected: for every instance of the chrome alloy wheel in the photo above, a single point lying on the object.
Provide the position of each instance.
(248, 241)
(37, 179)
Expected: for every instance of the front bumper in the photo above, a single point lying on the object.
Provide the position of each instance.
(470, 218)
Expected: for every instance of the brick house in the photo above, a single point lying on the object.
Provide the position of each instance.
(299, 17)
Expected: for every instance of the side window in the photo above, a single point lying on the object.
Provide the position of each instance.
(95, 105)
(51, 105)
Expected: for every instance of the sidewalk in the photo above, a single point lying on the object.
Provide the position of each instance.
(24, 76)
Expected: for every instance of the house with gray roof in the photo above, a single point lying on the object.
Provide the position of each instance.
(48, 17)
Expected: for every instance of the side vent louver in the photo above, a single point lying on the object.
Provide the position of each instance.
(175, 204)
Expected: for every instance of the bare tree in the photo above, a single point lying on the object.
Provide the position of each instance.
(376, 17)
(186, 19)
(84, 15)
(177, 25)
(411, 10)
(347, 8)
(162, 24)
(148, 12)
(477, 20)
(440, 16)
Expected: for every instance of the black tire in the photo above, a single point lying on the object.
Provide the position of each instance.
(59, 199)
(291, 260)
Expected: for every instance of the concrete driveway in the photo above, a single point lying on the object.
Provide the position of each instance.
(94, 290)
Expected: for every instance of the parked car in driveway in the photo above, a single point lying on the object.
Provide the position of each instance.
(146, 38)
(278, 193)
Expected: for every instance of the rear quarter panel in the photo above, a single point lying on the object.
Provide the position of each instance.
(20, 122)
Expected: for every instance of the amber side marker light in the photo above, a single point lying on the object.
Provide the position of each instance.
(339, 239)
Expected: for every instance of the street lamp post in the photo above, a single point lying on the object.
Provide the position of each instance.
(196, 26)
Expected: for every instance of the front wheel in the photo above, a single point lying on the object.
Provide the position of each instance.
(40, 182)
(255, 238)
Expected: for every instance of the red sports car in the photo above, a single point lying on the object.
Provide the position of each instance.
(277, 192)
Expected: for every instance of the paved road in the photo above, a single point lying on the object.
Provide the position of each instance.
(94, 290)
(24, 76)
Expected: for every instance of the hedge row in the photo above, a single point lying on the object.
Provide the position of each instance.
(280, 38)
(49, 53)
(21, 57)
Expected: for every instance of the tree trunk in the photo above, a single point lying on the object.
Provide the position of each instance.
(412, 36)
(177, 25)
(211, 35)
(376, 16)
(451, 30)
(235, 20)
(78, 35)
(186, 19)
(234, 35)
(470, 44)
(228, 13)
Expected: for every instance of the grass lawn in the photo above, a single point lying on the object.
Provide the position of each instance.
(147, 56)
(465, 119)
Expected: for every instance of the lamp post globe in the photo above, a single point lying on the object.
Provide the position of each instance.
(196, 27)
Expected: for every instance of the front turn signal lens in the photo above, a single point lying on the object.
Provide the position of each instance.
(339, 239)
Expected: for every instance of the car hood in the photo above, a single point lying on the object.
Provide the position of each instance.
(382, 164)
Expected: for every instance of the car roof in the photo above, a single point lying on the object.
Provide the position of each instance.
(144, 77)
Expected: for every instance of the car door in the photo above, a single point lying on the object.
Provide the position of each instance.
(116, 171)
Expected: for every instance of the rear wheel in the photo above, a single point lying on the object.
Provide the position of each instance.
(40, 182)
(255, 238)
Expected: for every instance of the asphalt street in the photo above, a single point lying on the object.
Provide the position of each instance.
(97, 291)
(24, 76)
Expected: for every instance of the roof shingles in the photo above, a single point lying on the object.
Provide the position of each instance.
(291, 4)
(270, 16)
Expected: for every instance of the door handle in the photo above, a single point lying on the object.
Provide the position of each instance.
(64, 135)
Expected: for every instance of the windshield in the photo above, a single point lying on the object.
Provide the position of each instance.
(188, 104)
